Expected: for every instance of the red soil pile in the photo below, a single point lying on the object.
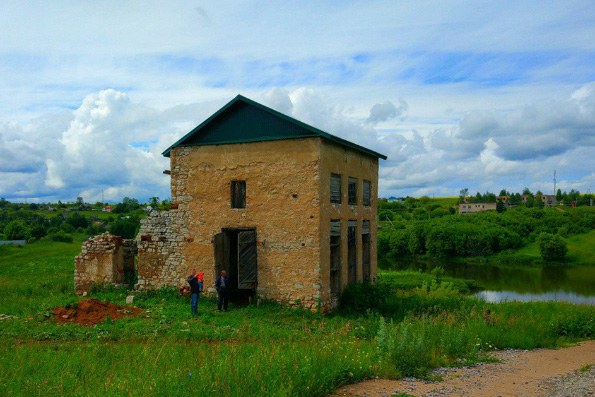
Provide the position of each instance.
(92, 311)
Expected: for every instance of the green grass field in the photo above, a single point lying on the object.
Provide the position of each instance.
(392, 329)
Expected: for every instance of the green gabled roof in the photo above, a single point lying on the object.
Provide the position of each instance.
(243, 120)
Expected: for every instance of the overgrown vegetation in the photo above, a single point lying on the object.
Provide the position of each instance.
(404, 325)
(483, 234)
(65, 222)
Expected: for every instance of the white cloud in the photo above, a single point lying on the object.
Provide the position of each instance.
(387, 111)
(112, 144)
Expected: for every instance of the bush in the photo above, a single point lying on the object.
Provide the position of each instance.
(361, 297)
(125, 228)
(17, 230)
(60, 236)
(552, 247)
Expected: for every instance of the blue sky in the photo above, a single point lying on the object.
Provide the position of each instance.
(475, 94)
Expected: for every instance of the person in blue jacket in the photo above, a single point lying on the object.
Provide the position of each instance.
(194, 291)
(222, 286)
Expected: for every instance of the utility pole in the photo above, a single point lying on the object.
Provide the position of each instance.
(555, 201)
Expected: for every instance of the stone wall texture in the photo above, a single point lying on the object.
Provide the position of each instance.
(104, 259)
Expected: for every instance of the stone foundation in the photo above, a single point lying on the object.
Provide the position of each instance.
(104, 259)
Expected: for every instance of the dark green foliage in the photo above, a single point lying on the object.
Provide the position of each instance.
(552, 247)
(17, 230)
(127, 205)
(76, 220)
(500, 207)
(60, 236)
(360, 297)
(126, 228)
(481, 234)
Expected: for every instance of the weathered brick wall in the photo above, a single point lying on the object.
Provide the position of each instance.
(100, 261)
(347, 162)
(160, 242)
(283, 204)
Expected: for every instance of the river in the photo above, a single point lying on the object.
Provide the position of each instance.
(575, 284)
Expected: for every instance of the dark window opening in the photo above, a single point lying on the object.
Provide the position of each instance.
(352, 252)
(352, 191)
(238, 194)
(367, 191)
(366, 250)
(336, 188)
(335, 245)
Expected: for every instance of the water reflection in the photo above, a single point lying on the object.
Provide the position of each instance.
(503, 296)
(572, 284)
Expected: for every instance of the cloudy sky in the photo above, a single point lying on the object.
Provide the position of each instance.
(482, 95)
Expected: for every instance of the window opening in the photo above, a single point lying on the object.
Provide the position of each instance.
(352, 252)
(238, 194)
(336, 188)
(366, 250)
(366, 194)
(352, 191)
(335, 265)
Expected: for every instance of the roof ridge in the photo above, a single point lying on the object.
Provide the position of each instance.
(314, 130)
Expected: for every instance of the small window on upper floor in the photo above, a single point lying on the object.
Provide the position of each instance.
(336, 188)
(366, 194)
(238, 194)
(352, 191)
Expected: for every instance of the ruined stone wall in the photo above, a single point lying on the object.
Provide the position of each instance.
(346, 162)
(100, 261)
(282, 203)
(161, 241)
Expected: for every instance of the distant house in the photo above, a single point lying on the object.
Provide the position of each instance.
(504, 199)
(396, 199)
(549, 200)
(476, 207)
(107, 209)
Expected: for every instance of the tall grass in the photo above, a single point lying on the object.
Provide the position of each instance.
(267, 350)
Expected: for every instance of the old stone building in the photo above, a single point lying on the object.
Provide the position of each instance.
(288, 210)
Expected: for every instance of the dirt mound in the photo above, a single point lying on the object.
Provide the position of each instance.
(92, 311)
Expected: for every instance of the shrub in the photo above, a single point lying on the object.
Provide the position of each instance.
(17, 230)
(61, 236)
(360, 297)
(552, 247)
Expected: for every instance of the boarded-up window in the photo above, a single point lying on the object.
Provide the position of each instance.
(352, 252)
(366, 194)
(336, 188)
(352, 191)
(238, 194)
(335, 246)
(366, 250)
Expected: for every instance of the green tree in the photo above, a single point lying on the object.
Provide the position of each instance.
(17, 230)
(539, 200)
(500, 207)
(559, 196)
(154, 202)
(526, 191)
(125, 228)
(503, 192)
(463, 193)
(552, 247)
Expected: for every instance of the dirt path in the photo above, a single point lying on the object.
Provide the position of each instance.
(520, 373)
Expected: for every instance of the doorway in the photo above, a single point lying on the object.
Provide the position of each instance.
(235, 252)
